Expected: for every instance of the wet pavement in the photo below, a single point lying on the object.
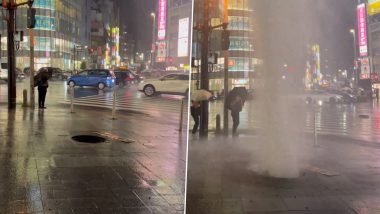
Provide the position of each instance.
(45, 171)
(338, 175)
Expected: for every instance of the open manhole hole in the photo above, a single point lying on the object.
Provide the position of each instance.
(88, 139)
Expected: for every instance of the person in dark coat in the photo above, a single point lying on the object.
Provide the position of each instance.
(195, 111)
(235, 102)
(43, 85)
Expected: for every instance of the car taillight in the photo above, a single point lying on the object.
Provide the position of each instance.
(128, 78)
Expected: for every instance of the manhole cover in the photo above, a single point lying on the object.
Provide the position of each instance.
(88, 139)
(364, 116)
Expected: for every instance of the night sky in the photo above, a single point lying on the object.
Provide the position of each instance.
(284, 27)
(135, 14)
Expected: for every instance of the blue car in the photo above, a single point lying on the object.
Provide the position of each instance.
(100, 78)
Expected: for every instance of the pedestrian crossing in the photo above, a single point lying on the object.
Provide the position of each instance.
(155, 106)
(359, 121)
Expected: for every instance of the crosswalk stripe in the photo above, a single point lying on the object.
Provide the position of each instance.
(150, 105)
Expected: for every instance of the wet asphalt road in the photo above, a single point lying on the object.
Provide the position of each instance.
(128, 99)
(44, 171)
(359, 121)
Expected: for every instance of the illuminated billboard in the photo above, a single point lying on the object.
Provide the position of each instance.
(161, 51)
(373, 7)
(365, 72)
(161, 22)
(183, 37)
(362, 30)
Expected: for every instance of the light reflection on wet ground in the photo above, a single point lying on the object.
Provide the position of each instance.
(344, 120)
(44, 171)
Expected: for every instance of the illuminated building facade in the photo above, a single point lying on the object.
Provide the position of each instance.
(241, 52)
(105, 34)
(56, 32)
(173, 34)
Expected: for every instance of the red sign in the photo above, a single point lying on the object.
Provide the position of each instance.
(365, 76)
(362, 30)
(161, 19)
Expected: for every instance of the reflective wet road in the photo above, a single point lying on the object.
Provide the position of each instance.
(358, 121)
(127, 99)
(44, 171)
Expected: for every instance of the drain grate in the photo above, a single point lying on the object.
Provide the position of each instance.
(88, 139)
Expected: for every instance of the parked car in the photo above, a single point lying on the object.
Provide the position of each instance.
(54, 73)
(4, 70)
(126, 77)
(347, 97)
(100, 78)
(169, 84)
(19, 74)
(322, 97)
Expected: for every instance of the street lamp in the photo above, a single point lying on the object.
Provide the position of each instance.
(153, 15)
(353, 32)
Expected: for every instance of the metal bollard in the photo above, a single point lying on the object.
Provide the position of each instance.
(72, 100)
(181, 116)
(315, 130)
(114, 106)
(217, 131)
(24, 98)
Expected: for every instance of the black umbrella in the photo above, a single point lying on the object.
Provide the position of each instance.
(237, 91)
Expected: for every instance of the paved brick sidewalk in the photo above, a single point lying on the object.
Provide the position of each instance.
(44, 171)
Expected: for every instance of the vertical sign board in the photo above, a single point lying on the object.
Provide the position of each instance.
(183, 37)
(365, 72)
(362, 30)
(161, 20)
(161, 51)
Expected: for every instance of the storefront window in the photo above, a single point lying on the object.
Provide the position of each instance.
(241, 44)
(238, 64)
(239, 23)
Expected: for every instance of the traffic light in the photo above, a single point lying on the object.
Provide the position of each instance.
(225, 40)
(31, 17)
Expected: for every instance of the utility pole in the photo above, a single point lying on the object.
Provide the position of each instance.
(226, 59)
(11, 6)
(204, 68)
(74, 56)
(11, 55)
(31, 67)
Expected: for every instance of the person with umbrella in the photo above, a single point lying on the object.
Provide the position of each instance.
(235, 102)
(41, 81)
(195, 109)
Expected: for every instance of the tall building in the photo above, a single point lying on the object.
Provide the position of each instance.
(105, 34)
(241, 52)
(173, 34)
(374, 42)
(57, 30)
